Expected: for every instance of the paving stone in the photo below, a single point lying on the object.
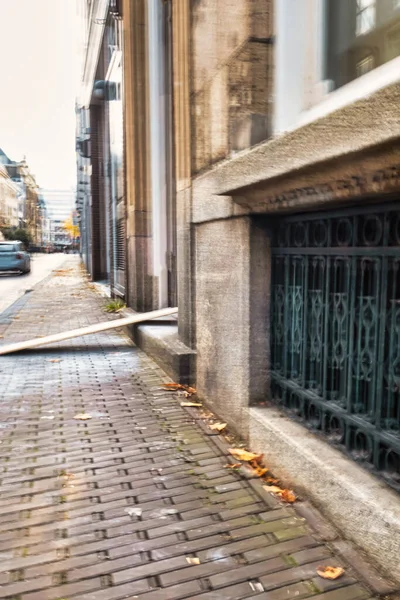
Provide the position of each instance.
(112, 508)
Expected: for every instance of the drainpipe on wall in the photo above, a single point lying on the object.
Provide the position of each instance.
(158, 148)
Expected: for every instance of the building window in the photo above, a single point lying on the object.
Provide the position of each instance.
(365, 65)
(365, 16)
(335, 334)
(361, 36)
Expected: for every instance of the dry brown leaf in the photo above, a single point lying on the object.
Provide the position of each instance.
(330, 572)
(82, 417)
(285, 495)
(1, 337)
(54, 360)
(288, 496)
(271, 480)
(191, 404)
(192, 561)
(218, 426)
(259, 471)
(244, 455)
(174, 387)
(234, 466)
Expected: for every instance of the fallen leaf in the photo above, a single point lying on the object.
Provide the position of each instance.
(259, 471)
(174, 387)
(54, 360)
(192, 561)
(288, 496)
(271, 480)
(330, 572)
(218, 426)
(244, 455)
(273, 489)
(191, 404)
(82, 417)
(285, 495)
(1, 337)
(234, 466)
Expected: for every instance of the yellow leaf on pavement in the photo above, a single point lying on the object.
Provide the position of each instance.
(244, 455)
(285, 495)
(191, 404)
(288, 496)
(274, 489)
(218, 426)
(82, 417)
(193, 561)
(330, 572)
(174, 387)
(259, 471)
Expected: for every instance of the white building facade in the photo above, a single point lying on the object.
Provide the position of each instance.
(60, 205)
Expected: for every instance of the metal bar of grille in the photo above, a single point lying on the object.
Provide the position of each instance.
(335, 330)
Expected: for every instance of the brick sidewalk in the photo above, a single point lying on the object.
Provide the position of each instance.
(114, 507)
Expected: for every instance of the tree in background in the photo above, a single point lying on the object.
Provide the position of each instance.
(71, 229)
(14, 233)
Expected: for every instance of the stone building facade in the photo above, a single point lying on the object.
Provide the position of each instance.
(30, 209)
(261, 188)
(8, 200)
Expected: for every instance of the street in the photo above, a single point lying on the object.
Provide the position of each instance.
(13, 286)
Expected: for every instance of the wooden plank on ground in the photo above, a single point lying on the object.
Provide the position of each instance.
(99, 327)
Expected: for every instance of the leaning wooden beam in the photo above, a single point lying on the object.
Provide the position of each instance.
(67, 335)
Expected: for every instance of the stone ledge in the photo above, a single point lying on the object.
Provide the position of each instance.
(362, 508)
(160, 340)
(254, 174)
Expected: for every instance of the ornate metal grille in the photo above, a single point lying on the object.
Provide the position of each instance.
(335, 329)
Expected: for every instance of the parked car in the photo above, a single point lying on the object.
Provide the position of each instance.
(14, 257)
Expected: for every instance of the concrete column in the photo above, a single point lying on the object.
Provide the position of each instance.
(137, 152)
(233, 293)
(185, 237)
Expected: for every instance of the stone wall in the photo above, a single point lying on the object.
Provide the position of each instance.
(231, 77)
(232, 291)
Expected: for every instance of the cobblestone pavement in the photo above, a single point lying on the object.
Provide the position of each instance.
(119, 506)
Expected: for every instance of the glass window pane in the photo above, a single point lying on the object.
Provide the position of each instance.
(361, 4)
(361, 35)
(365, 20)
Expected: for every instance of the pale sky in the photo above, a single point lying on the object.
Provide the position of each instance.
(39, 77)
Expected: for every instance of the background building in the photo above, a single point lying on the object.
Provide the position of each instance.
(30, 208)
(60, 204)
(8, 200)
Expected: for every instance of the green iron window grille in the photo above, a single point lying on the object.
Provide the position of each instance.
(335, 329)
